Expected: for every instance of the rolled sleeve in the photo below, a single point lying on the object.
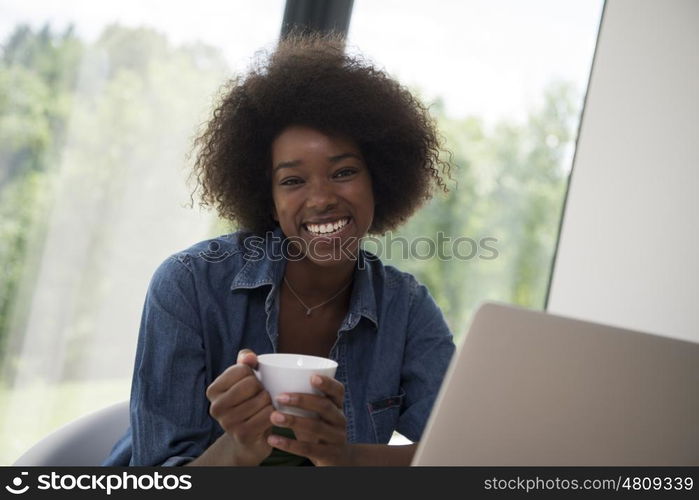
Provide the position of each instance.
(429, 349)
(170, 423)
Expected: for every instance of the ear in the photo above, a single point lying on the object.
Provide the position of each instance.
(274, 213)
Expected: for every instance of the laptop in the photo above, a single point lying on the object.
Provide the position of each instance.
(528, 388)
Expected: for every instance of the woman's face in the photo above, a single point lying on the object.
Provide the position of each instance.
(322, 193)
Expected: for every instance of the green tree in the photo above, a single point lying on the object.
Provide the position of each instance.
(37, 73)
(510, 186)
(103, 120)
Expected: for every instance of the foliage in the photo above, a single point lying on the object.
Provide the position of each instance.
(131, 98)
(92, 117)
(37, 73)
(129, 86)
(510, 185)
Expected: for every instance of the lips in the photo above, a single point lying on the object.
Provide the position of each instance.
(327, 226)
(341, 232)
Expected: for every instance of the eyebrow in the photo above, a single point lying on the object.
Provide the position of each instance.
(332, 159)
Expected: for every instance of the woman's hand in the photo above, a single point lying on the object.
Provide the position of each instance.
(242, 407)
(322, 440)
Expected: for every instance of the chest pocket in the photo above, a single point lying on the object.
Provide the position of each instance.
(384, 415)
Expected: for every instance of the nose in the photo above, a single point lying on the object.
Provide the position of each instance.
(321, 196)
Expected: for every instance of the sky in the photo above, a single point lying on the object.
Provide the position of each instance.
(237, 27)
(490, 58)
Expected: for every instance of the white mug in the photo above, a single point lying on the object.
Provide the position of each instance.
(286, 373)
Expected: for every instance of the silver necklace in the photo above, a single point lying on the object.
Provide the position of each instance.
(309, 309)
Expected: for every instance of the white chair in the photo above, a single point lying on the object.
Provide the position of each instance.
(82, 442)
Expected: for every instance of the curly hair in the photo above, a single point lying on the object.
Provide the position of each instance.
(310, 80)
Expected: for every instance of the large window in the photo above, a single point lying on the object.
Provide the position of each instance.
(99, 102)
(506, 80)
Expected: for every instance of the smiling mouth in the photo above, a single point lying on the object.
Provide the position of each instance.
(327, 229)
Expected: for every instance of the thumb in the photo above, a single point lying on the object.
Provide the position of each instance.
(247, 357)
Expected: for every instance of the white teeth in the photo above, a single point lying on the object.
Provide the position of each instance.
(330, 227)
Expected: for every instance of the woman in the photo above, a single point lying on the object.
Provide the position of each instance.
(311, 151)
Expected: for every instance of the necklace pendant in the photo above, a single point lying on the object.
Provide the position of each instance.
(308, 312)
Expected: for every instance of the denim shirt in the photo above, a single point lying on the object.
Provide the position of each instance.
(219, 296)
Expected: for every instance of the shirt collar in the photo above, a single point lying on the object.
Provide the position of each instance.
(265, 263)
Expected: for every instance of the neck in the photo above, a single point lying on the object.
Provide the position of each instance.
(318, 282)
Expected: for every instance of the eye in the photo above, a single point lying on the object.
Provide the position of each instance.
(290, 181)
(346, 172)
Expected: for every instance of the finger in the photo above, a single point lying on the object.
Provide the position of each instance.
(248, 409)
(330, 387)
(247, 357)
(259, 424)
(227, 379)
(240, 392)
(318, 429)
(323, 406)
(312, 451)
(233, 418)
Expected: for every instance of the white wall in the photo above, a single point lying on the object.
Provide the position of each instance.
(629, 250)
